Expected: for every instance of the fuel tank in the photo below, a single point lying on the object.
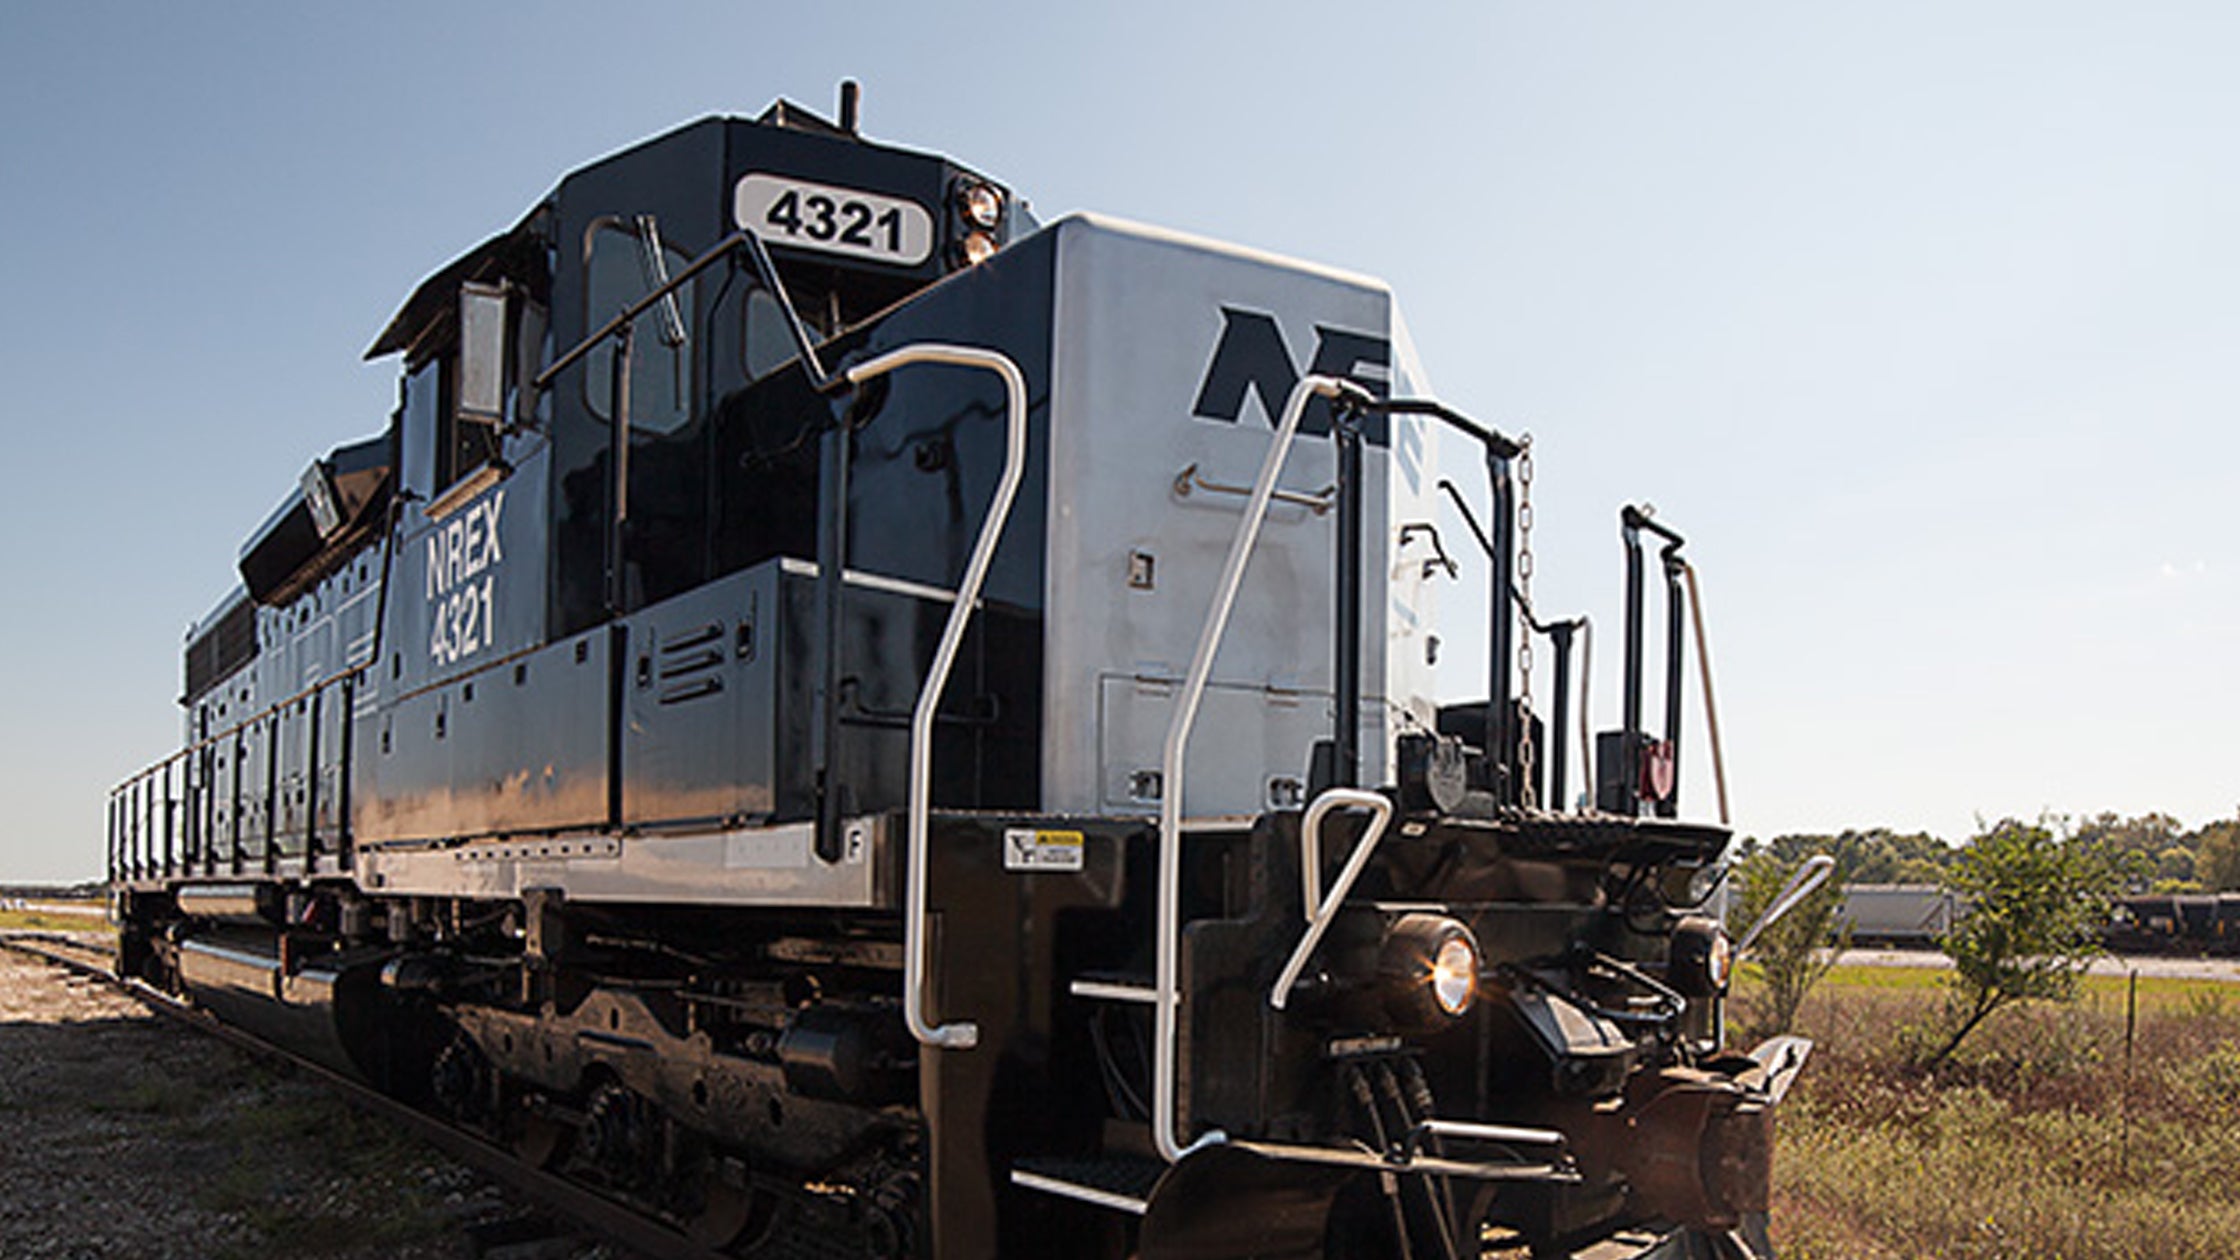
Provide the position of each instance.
(328, 1007)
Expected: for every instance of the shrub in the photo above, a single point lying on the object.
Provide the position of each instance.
(2036, 904)
(1794, 953)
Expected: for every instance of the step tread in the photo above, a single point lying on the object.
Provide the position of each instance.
(1118, 1181)
(1113, 986)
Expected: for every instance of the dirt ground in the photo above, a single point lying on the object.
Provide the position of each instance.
(123, 1134)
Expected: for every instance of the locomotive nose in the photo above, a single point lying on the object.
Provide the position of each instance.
(1695, 1160)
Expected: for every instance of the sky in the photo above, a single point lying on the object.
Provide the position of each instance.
(1919, 319)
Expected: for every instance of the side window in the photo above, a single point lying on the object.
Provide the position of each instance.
(459, 394)
(471, 424)
(427, 450)
(620, 272)
(470, 444)
(461, 444)
(766, 343)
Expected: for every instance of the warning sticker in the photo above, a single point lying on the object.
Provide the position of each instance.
(1027, 849)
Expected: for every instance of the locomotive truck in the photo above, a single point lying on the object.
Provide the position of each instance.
(863, 724)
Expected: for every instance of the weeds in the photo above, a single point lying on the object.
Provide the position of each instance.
(2206, 1003)
(306, 1207)
(2211, 1081)
(2036, 1141)
(155, 1094)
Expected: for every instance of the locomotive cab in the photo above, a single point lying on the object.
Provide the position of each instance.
(846, 716)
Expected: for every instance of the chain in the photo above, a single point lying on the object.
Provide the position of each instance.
(1527, 794)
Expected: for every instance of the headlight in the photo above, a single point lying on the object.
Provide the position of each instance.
(1702, 960)
(976, 248)
(981, 205)
(1429, 969)
(1454, 975)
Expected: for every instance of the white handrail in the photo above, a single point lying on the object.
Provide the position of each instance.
(1321, 912)
(962, 1035)
(1166, 982)
(1310, 837)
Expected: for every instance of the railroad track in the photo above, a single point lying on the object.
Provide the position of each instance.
(63, 949)
(633, 1234)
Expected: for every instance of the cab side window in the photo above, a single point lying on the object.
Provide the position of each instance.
(620, 271)
(428, 449)
(462, 388)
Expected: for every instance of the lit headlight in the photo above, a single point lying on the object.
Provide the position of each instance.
(981, 205)
(1454, 975)
(977, 248)
(1702, 957)
(1429, 967)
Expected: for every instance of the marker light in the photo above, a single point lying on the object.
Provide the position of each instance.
(982, 205)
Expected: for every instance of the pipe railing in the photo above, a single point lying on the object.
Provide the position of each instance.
(1322, 911)
(1633, 522)
(1166, 980)
(961, 1035)
(1560, 635)
(148, 839)
(1499, 546)
(765, 270)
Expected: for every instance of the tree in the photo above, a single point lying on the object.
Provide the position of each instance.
(2154, 836)
(2149, 833)
(1874, 856)
(1796, 952)
(2175, 864)
(2216, 850)
(2035, 903)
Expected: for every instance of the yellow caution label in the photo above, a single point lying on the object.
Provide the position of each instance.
(1033, 849)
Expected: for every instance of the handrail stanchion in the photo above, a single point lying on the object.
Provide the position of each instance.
(233, 811)
(1559, 636)
(1166, 981)
(170, 819)
(1322, 911)
(1631, 522)
(962, 1035)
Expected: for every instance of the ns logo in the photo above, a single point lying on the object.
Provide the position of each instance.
(1251, 357)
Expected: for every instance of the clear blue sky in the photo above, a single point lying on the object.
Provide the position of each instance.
(1920, 318)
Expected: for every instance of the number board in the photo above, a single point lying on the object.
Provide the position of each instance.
(834, 220)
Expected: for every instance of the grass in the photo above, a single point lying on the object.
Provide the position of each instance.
(155, 1094)
(37, 921)
(314, 1210)
(2042, 1139)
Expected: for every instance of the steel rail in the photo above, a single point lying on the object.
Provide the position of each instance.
(612, 1221)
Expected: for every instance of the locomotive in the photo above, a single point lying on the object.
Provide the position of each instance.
(2175, 923)
(864, 724)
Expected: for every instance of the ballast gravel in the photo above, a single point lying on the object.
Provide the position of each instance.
(123, 1134)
